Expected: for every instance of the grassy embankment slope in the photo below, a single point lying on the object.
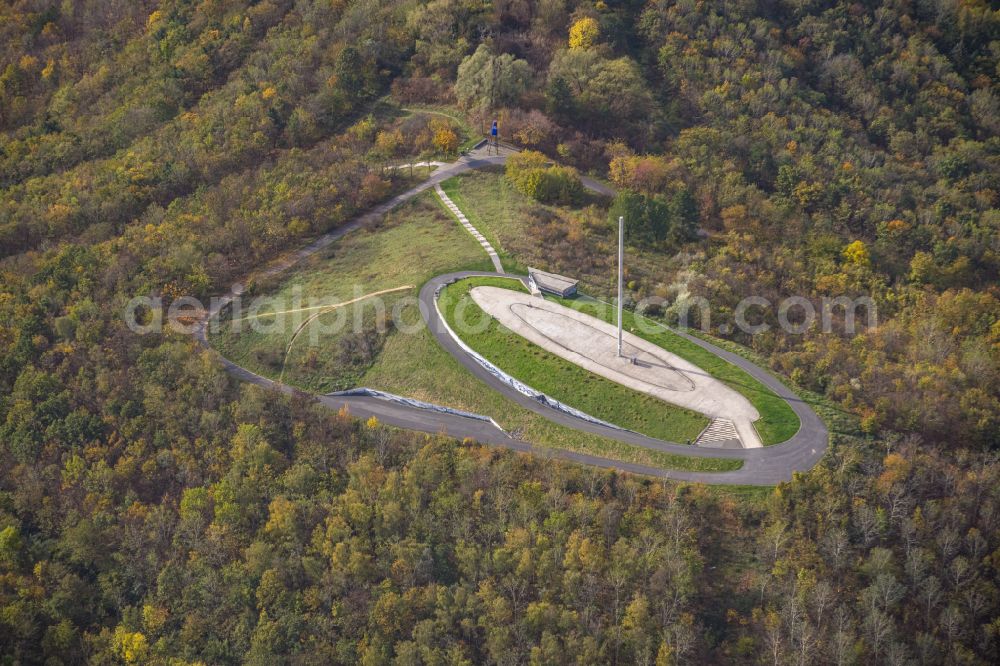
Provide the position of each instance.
(413, 243)
(559, 378)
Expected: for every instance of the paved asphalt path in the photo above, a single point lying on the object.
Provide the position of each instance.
(765, 466)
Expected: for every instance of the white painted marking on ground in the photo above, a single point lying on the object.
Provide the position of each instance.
(327, 308)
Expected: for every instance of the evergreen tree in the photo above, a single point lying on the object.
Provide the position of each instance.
(559, 101)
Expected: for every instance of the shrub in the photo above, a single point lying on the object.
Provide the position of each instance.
(531, 173)
(421, 90)
(529, 128)
(558, 184)
(446, 141)
(524, 161)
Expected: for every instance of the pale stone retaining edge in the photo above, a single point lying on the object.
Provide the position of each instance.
(420, 404)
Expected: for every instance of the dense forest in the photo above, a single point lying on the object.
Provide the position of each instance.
(154, 510)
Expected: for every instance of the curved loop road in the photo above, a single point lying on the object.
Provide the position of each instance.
(762, 466)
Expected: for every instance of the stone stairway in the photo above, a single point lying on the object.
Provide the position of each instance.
(468, 227)
(720, 434)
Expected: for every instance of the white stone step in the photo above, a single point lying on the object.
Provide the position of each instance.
(718, 431)
(464, 221)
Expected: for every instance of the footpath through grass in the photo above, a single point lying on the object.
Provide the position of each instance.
(469, 138)
(558, 377)
(777, 421)
(409, 246)
(493, 207)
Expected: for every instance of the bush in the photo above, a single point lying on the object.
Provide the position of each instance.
(531, 173)
(531, 129)
(523, 161)
(558, 184)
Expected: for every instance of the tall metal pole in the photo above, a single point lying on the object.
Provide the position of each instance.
(621, 254)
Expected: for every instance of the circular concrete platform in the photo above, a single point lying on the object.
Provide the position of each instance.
(652, 367)
(644, 366)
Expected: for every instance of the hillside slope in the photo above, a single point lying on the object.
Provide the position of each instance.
(154, 511)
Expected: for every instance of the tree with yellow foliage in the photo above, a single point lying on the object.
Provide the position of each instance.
(446, 141)
(583, 34)
(857, 254)
(130, 646)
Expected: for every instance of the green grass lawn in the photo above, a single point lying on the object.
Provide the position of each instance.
(492, 206)
(777, 422)
(562, 379)
(415, 365)
(415, 242)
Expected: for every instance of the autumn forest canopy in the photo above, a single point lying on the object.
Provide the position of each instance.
(154, 509)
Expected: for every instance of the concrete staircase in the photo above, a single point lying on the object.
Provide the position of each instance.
(720, 434)
(464, 221)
